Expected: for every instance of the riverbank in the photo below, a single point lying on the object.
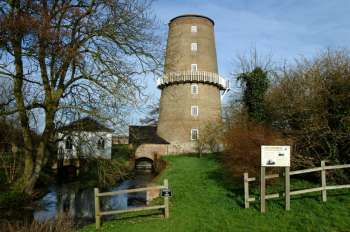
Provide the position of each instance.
(204, 199)
(71, 195)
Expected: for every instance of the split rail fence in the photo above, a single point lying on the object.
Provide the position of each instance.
(99, 213)
(323, 188)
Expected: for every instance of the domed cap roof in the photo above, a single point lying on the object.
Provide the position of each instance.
(191, 15)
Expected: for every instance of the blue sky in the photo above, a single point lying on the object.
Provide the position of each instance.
(286, 29)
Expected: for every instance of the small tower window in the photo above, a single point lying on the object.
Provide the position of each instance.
(69, 143)
(194, 47)
(193, 67)
(193, 28)
(194, 134)
(194, 89)
(194, 111)
(101, 144)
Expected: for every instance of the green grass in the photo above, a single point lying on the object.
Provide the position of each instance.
(204, 200)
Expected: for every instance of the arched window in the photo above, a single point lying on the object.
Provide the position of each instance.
(69, 143)
(101, 144)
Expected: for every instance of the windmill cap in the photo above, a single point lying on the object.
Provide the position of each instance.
(191, 15)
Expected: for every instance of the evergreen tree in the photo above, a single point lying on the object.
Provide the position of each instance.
(254, 85)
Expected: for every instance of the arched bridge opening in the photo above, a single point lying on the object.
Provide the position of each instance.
(144, 164)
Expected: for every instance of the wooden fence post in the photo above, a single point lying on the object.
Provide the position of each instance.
(97, 209)
(166, 200)
(262, 190)
(287, 187)
(246, 190)
(323, 180)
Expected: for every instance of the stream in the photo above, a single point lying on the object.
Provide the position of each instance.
(78, 202)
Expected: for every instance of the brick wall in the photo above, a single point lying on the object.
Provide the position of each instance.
(148, 150)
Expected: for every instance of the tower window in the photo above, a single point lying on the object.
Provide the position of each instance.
(193, 28)
(193, 67)
(194, 89)
(194, 134)
(194, 47)
(194, 111)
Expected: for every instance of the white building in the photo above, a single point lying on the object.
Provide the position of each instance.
(85, 138)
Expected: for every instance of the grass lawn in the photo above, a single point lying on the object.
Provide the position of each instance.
(203, 200)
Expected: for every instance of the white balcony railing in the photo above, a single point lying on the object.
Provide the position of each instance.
(188, 76)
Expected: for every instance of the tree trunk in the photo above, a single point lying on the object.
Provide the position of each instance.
(39, 163)
(22, 112)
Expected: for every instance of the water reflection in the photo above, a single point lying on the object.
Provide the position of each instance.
(79, 203)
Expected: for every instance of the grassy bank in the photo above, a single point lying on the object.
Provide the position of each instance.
(203, 200)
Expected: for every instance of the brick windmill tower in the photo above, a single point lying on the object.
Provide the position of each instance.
(191, 86)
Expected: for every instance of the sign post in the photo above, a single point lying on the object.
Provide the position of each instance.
(274, 156)
(262, 189)
(287, 187)
(166, 193)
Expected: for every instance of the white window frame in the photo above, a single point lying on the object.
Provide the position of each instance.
(196, 110)
(194, 86)
(194, 28)
(194, 47)
(194, 67)
(192, 130)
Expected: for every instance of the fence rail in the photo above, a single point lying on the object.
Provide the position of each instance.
(323, 188)
(99, 213)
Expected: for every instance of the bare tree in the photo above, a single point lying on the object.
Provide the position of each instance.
(68, 59)
(249, 61)
(210, 138)
(152, 116)
(311, 103)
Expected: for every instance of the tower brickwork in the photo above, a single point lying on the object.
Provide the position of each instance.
(191, 85)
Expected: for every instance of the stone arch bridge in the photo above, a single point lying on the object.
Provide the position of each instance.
(146, 154)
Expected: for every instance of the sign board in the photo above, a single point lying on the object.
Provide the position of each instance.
(165, 193)
(275, 156)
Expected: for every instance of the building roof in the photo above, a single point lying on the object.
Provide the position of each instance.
(145, 135)
(86, 124)
(192, 15)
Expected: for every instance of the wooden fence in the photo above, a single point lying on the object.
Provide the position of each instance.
(323, 188)
(99, 213)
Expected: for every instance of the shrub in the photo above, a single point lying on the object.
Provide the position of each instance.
(13, 199)
(104, 172)
(10, 163)
(121, 151)
(242, 146)
(311, 103)
(308, 102)
(60, 224)
(3, 179)
(210, 139)
(158, 164)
